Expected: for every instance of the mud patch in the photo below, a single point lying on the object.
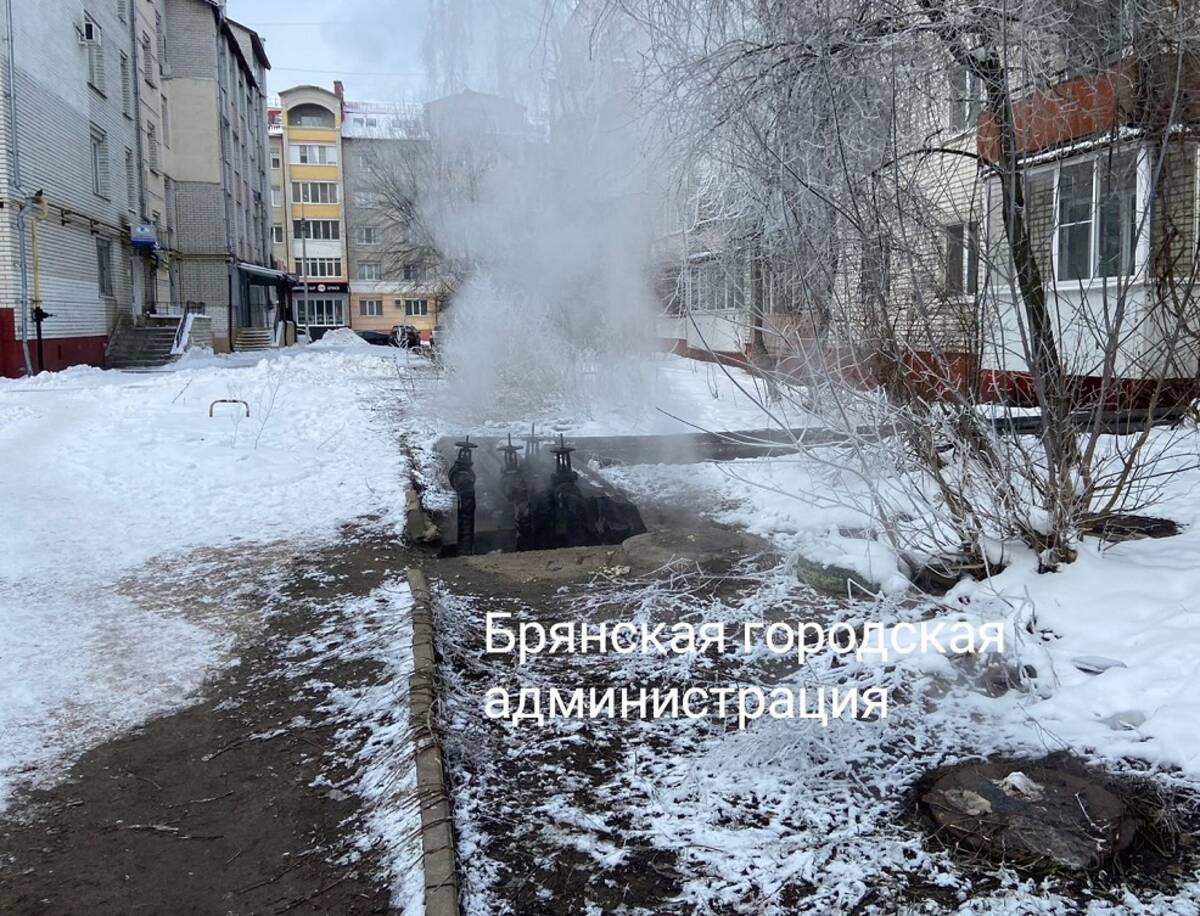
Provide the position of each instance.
(241, 803)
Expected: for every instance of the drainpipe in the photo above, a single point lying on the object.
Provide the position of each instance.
(137, 277)
(15, 156)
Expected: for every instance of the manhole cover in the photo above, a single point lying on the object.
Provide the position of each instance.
(1030, 814)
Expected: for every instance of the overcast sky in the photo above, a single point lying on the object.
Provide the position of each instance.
(373, 46)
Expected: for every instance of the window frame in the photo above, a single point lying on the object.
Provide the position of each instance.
(307, 185)
(95, 56)
(370, 308)
(966, 247)
(153, 156)
(331, 229)
(998, 279)
(331, 308)
(126, 86)
(149, 65)
(369, 271)
(99, 162)
(1141, 224)
(327, 154)
(323, 265)
(105, 281)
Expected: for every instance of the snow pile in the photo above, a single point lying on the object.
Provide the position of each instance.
(113, 475)
(340, 339)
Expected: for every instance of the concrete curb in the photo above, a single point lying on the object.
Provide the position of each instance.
(437, 834)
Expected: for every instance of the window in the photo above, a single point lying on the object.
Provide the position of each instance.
(370, 308)
(962, 259)
(1097, 217)
(99, 162)
(95, 54)
(166, 122)
(314, 192)
(320, 267)
(276, 197)
(104, 272)
(1075, 221)
(366, 235)
(1095, 32)
(169, 194)
(160, 38)
(1118, 216)
(126, 87)
(277, 235)
(414, 273)
(321, 312)
(369, 270)
(310, 116)
(152, 146)
(312, 154)
(416, 307)
(323, 229)
(149, 68)
(715, 285)
(367, 199)
(964, 98)
(276, 162)
(131, 195)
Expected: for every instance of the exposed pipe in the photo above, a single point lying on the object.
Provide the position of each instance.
(15, 156)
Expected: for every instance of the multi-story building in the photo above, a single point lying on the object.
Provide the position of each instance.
(392, 282)
(216, 86)
(307, 194)
(81, 177)
(132, 169)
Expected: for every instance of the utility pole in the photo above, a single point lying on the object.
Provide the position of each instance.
(304, 265)
(14, 152)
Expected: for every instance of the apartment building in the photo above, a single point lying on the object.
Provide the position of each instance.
(307, 196)
(218, 166)
(392, 282)
(132, 166)
(329, 165)
(82, 177)
(1105, 157)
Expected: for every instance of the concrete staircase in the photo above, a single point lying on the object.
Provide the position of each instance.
(140, 347)
(254, 339)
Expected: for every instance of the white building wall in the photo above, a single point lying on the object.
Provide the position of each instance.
(57, 111)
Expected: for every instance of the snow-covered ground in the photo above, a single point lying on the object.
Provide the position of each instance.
(1137, 603)
(112, 482)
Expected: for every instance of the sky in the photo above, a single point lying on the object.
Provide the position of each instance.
(373, 46)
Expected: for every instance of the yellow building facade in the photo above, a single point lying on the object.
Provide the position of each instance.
(308, 203)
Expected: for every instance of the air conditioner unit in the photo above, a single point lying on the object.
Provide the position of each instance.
(89, 32)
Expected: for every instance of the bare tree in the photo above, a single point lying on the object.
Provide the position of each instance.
(958, 205)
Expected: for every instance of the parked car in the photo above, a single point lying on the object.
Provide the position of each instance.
(406, 336)
(378, 338)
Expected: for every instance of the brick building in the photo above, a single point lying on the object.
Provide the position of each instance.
(392, 282)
